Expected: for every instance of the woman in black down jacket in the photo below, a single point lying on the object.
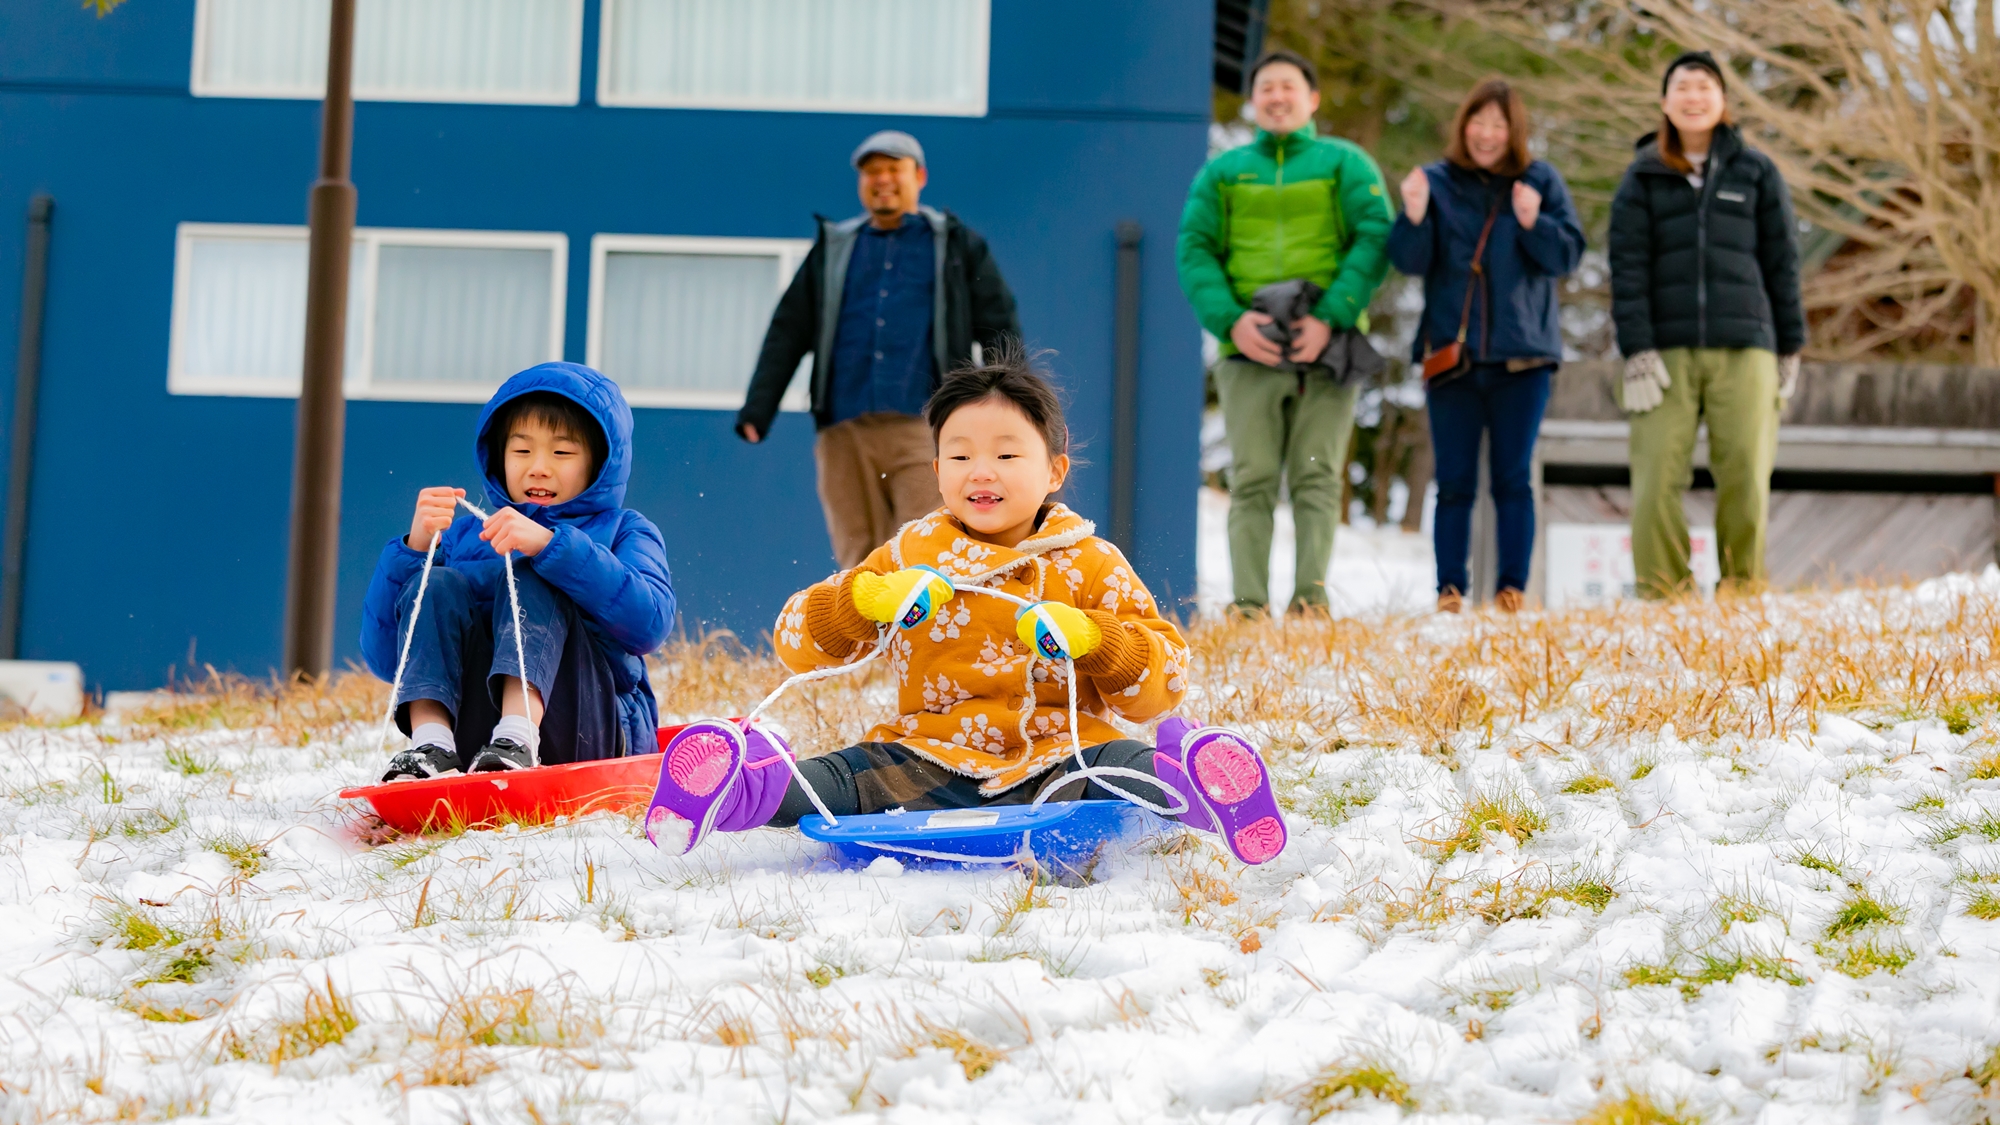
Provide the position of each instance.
(1705, 295)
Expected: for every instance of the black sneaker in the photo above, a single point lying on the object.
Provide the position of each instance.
(420, 762)
(502, 754)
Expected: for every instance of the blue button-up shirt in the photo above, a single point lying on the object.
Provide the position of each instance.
(882, 358)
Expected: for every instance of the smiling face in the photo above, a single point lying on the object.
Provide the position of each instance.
(545, 466)
(995, 471)
(1282, 99)
(1487, 136)
(891, 186)
(1694, 101)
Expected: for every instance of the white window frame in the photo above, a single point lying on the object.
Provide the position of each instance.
(359, 384)
(572, 96)
(790, 253)
(606, 96)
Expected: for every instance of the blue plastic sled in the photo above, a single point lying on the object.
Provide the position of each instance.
(1059, 835)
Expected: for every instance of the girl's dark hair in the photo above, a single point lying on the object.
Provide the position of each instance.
(1012, 377)
(1492, 91)
(564, 416)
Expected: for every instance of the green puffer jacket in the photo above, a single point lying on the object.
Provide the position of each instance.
(1279, 208)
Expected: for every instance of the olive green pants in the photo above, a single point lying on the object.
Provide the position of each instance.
(1276, 431)
(1735, 391)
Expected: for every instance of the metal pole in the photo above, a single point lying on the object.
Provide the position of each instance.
(315, 541)
(1125, 389)
(27, 385)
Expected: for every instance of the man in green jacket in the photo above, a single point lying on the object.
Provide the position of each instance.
(1290, 204)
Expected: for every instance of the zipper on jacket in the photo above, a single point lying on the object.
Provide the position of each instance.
(1281, 203)
(1714, 169)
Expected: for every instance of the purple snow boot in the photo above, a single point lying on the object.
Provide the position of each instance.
(714, 778)
(1227, 788)
(760, 788)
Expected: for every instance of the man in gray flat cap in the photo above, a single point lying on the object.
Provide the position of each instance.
(886, 302)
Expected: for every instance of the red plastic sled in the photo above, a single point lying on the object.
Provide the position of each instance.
(534, 796)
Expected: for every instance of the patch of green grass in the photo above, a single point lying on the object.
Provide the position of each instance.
(1339, 1085)
(1986, 768)
(134, 928)
(186, 762)
(185, 965)
(1730, 910)
(1644, 765)
(243, 855)
(1929, 802)
(1716, 968)
(1587, 892)
(1589, 783)
(326, 1020)
(1862, 958)
(1985, 905)
(1508, 815)
(1815, 859)
(1984, 1070)
(1333, 807)
(1860, 912)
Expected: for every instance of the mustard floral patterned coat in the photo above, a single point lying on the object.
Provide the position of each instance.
(972, 697)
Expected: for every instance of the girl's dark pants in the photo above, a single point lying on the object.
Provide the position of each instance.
(878, 776)
(1508, 406)
(460, 653)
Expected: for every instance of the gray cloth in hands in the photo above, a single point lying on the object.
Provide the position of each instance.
(1349, 357)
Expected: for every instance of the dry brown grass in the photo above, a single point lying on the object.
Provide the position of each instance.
(294, 711)
(1748, 667)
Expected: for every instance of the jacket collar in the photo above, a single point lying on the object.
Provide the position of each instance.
(941, 541)
(1724, 145)
(1294, 142)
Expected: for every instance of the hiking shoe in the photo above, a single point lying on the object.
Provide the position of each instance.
(1225, 780)
(500, 755)
(1508, 600)
(697, 771)
(419, 763)
(1451, 601)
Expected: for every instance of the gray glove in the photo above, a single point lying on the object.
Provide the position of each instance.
(1788, 376)
(1646, 381)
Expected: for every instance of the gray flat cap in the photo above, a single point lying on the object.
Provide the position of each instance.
(890, 142)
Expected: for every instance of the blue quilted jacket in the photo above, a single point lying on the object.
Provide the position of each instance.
(611, 561)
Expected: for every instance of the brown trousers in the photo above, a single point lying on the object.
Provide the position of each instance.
(875, 475)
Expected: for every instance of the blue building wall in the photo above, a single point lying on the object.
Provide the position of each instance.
(158, 522)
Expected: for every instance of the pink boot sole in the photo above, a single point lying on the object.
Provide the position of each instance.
(696, 774)
(1232, 781)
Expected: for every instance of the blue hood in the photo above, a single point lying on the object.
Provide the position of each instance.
(594, 392)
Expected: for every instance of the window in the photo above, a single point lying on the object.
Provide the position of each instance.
(679, 321)
(516, 51)
(834, 56)
(431, 315)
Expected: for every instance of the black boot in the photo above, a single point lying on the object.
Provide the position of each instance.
(420, 762)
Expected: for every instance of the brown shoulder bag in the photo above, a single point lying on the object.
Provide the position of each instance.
(1449, 362)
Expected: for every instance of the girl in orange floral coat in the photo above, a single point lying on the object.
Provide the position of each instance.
(983, 715)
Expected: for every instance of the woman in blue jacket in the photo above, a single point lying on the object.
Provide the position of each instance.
(1511, 336)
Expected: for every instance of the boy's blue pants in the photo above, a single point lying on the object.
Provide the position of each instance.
(460, 652)
(1508, 407)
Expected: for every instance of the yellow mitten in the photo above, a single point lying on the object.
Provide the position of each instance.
(1055, 630)
(906, 598)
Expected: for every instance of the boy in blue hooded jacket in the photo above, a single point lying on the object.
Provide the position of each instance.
(554, 447)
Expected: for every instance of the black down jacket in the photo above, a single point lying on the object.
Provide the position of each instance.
(1718, 268)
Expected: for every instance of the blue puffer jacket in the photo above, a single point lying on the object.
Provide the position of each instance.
(1516, 316)
(611, 561)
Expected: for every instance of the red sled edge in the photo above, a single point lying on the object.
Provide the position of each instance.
(529, 797)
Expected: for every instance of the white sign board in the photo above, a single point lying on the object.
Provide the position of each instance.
(1591, 563)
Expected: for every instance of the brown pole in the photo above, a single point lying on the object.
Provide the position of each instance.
(315, 542)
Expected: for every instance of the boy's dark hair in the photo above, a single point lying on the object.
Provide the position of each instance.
(560, 414)
(1280, 55)
(1012, 377)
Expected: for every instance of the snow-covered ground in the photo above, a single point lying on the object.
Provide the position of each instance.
(1376, 569)
(1514, 923)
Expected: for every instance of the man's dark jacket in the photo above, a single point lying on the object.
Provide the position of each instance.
(1714, 268)
(971, 304)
